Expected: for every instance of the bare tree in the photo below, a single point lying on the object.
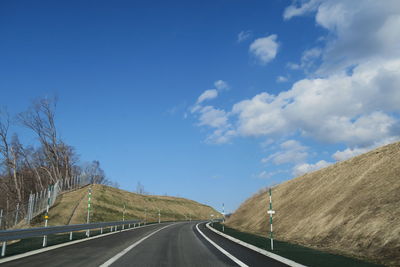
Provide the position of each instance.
(93, 173)
(140, 189)
(40, 118)
(9, 152)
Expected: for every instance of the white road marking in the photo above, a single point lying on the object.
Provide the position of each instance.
(259, 250)
(226, 253)
(123, 252)
(41, 250)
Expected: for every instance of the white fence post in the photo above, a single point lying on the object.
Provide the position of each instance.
(16, 214)
(3, 248)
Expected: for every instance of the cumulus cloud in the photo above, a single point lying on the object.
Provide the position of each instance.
(213, 118)
(359, 31)
(309, 60)
(291, 152)
(349, 153)
(210, 116)
(305, 167)
(355, 99)
(298, 10)
(221, 85)
(264, 49)
(355, 151)
(281, 79)
(243, 36)
(354, 110)
(207, 95)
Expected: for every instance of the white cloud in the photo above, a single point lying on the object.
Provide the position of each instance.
(281, 79)
(305, 7)
(207, 95)
(265, 49)
(349, 153)
(359, 31)
(221, 85)
(293, 66)
(291, 152)
(305, 167)
(355, 110)
(352, 152)
(214, 118)
(266, 174)
(262, 115)
(243, 36)
(355, 100)
(210, 116)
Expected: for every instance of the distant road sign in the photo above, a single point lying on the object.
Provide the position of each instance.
(271, 212)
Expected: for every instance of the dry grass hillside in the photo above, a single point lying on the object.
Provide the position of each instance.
(350, 208)
(107, 205)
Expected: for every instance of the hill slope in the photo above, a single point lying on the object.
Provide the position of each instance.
(351, 208)
(108, 202)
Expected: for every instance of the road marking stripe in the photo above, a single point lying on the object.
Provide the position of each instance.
(68, 243)
(123, 252)
(257, 249)
(226, 253)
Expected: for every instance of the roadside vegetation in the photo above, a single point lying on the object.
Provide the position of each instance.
(112, 204)
(27, 169)
(350, 208)
(300, 254)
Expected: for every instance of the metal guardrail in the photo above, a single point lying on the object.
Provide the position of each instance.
(8, 235)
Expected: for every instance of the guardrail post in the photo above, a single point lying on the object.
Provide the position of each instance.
(3, 248)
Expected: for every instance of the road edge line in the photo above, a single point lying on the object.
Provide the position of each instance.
(257, 249)
(223, 251)
(126, 250)
(68, 243)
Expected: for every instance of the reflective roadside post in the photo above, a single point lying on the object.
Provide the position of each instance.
(270, 212)
(223, 218)
(88, 210)
(46, 216)
(159, 216)
(123, 217)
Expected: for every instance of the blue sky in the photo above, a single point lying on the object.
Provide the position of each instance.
(209, 100)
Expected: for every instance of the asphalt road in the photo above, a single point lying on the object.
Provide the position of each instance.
(174, 244)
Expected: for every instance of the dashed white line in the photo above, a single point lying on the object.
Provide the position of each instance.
(226, 253)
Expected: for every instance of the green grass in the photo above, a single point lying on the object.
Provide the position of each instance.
(300, 254)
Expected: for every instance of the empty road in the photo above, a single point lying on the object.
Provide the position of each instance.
(169, 244)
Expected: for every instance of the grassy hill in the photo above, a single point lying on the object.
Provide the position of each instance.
(350, 208)
(108, 202)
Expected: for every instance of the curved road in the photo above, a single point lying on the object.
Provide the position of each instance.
(169, 244)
